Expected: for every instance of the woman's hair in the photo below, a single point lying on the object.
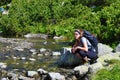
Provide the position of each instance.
(80, 31)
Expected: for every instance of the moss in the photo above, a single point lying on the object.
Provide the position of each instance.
(110, 73)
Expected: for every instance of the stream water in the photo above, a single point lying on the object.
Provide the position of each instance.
(24, 60)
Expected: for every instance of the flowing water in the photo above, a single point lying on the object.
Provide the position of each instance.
(24, 60)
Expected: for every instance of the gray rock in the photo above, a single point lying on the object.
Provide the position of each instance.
(104, 49)
(4, 79)
(32, 50)
(95, 67)
(56, 53)
(30, 35)
(43, 50)
(42, 71)
(32, 59)
(23, 58)
(25, 78)
(117, 48)
(31, 73)
(12, 76)
(55, 76)
(82, 70)
(58, 38)
(3, 65)
(68, 59)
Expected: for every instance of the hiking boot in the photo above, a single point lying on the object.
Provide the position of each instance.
(94, 60)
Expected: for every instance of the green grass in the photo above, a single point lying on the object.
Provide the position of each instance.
(112, 72)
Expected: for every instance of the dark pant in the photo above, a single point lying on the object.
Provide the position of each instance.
(90, 54)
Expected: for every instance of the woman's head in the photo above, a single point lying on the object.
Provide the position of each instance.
(78, 33)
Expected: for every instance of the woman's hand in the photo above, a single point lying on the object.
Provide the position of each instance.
(73, 50)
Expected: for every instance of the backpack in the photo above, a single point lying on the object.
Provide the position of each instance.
(92, 39)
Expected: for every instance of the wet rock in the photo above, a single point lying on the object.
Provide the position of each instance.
(4, 79)
(56, 53)
(58, 37)
(3, 65)
(23, 58)
(40, 55)
(32, 50)
(25, 78)
(55, 76)
(43, 50)
(12, 76)
(31, 73)
(46, 53)
(42, 71)
(18, 49)
(32, 59)
(30, 35)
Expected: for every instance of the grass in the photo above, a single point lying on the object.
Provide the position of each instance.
(112, 72)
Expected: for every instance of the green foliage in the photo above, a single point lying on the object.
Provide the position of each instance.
(110, 19)
(112, 73)
(61, 17)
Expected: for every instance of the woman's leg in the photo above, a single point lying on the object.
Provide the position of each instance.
(83, 55)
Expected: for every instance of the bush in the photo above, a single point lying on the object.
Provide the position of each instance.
(61, 17)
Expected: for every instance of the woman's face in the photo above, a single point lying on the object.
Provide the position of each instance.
(77, 35)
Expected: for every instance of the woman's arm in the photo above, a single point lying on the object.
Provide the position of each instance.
(85, 46)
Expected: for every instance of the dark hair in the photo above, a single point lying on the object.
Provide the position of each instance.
(80, 31)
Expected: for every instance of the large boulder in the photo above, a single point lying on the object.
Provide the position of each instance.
(118, 48)
(104, 49)
(68, 59)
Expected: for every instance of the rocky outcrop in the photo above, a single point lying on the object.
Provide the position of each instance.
(104, 49)
(118, 48)
(105, 54)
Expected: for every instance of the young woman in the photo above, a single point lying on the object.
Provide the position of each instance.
(82, 47)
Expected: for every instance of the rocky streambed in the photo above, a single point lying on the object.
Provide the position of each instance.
(43, 59)
(20, 56)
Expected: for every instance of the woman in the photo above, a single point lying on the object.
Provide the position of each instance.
(83, 47)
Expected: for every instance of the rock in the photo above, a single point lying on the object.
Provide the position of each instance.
(58, 38)
(56, 53)
(118, 48)
(42, 71)
(23, 58)
(68, 59)
(32, 59)
(25, 78)
(95, 67)
(30, 35)
(12, 76)
(19, 49)
(108, 57)
(40, 55)
(3, 65)
(104, 49)
(32, 50)
(55, 76)
(31, 73)
(81, 70)
(4, 79)
(43, 50)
